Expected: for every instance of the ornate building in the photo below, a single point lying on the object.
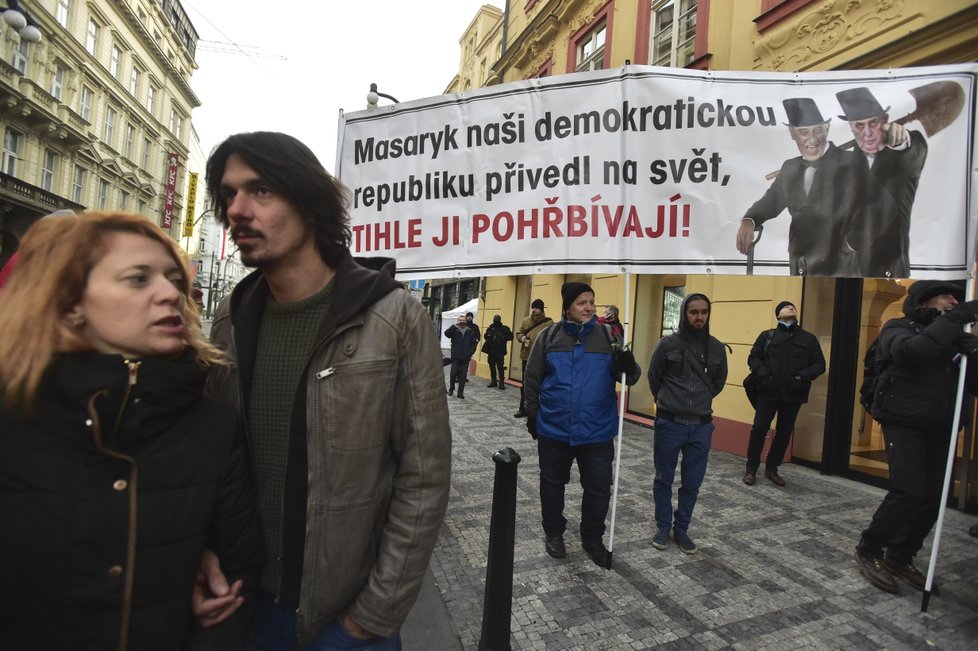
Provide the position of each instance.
(97, 114)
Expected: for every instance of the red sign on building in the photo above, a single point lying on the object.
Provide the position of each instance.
(166, 221)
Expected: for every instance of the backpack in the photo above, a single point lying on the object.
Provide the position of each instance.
(873, 368)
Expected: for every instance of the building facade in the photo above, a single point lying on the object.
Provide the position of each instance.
(97, 114)
(551, 37)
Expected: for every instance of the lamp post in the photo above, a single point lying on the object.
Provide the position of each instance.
(21, 21)
(373, 96)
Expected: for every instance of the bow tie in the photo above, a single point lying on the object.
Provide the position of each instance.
(810, 163)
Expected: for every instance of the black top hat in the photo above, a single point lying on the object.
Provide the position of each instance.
(859, 104)
(802, 112)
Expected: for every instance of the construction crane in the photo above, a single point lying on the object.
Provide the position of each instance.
(226, 47)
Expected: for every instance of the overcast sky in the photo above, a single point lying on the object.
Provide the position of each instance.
(333, 52)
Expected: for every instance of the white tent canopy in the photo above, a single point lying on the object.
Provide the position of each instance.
(449, 318)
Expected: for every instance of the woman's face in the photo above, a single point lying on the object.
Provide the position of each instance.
(132, 304)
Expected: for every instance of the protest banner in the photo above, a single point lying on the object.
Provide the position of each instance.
(652, 170)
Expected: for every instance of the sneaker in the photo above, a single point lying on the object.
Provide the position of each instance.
(490, 385)
(876, 573)
(911, 575)
(520, 414)
(686, 544)
(750, 478)
(661, 538)
(598, 552)
(555, 546)
(775, 478)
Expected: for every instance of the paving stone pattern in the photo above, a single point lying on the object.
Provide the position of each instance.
(775, 568)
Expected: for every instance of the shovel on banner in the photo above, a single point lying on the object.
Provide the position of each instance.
(750, 249)
(938, 104)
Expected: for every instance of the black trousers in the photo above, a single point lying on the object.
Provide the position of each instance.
(594, 463)
(786, 412)
(458, 374)
(496, 368)
(918, 459)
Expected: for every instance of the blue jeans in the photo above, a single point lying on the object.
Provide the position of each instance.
(668, 441)
(273, 629)
(594, 463)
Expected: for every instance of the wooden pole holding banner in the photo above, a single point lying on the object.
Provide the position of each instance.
(952, 449)
(621, 423)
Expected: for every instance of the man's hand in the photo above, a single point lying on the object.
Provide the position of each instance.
(966, 312)
(896, 134)
(212, 600)
(531, 426)
(355, 630)
(967, 344)
(622, 361)
(745, 235)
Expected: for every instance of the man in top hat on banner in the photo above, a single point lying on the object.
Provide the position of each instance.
(894, 156)
(821, 190)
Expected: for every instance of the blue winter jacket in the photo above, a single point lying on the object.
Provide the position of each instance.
(569, 386)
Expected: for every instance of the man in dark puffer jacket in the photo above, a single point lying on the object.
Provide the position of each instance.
(915, 399)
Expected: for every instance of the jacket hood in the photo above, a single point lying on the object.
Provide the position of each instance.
(923, 290)
(686, 330)
(359, 283)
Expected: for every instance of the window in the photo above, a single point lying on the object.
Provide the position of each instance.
(61, 13)
(123, 199)
(115, 63)
(590, 49)
(11, 151)
(77, 184)
(130, 136)
(142, 207)
(91, 39)
(109, 130)
(146, 154)
(674, 33)
(141, 14)
(103, 193)
(85, 103)
(151, 100)
(48, 170)
(134, 82)
(176, 123)
(57, 81)
(19, 59)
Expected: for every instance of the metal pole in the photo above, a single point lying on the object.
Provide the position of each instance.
(621, 424)
(952, 449)
(498, 605)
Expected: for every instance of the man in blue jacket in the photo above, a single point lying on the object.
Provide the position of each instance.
(688, 370)
(572, 413)
(465, 339)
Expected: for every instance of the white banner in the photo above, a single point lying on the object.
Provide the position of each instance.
(653, 170)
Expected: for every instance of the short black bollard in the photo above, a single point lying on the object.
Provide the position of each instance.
(498, 609)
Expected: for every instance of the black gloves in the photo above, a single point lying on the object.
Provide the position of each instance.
(966, 312)
(622, 361)
(966, 344)
(531, 425)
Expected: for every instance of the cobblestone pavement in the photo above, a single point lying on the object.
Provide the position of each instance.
(775, 568)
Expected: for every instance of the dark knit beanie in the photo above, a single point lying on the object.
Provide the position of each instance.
(537, 304)
(570, 291)
(781, 306)
(924, 290)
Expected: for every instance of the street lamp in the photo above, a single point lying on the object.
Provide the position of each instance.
(21, 21)
(374, 96)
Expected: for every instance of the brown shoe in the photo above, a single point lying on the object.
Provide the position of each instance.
(911, 575)
(750, 478)
(775, 478)
(876, 573)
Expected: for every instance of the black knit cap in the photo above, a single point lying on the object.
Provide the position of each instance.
(536, 304)
(570, 291)
(924, 290)
(781, 306)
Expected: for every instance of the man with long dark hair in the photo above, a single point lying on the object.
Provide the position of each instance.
(340, 385)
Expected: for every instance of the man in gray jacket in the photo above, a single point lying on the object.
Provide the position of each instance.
(338, 377)
(688, 370)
